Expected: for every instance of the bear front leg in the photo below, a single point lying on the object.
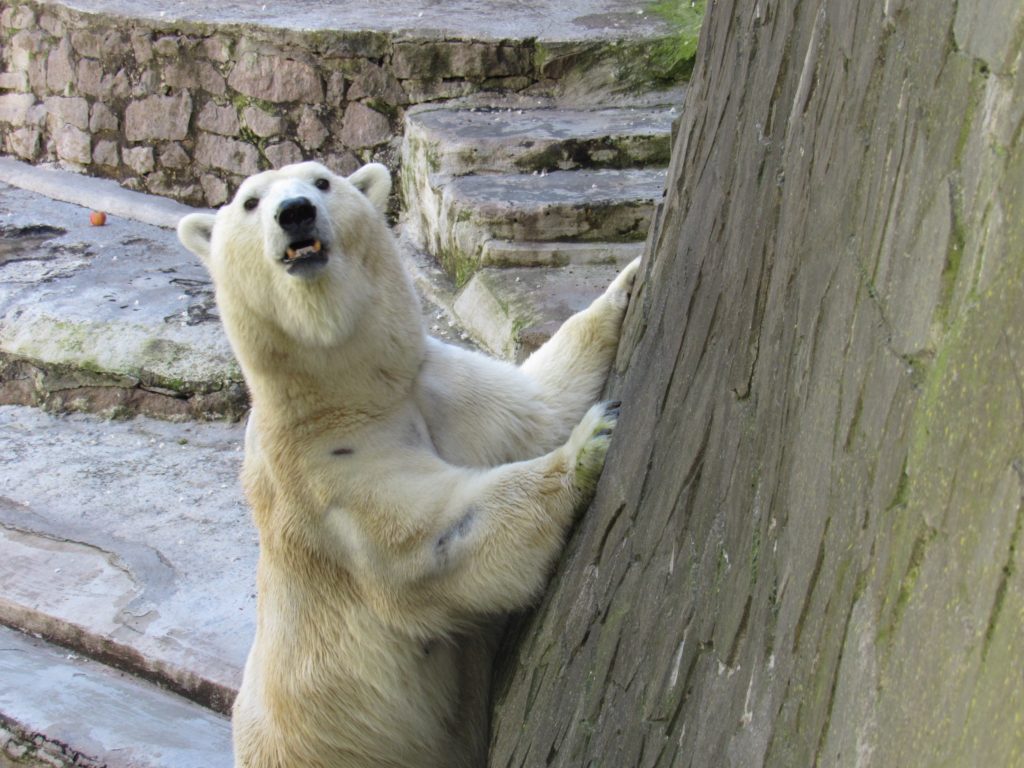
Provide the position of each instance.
(572, 365)
(487, 544)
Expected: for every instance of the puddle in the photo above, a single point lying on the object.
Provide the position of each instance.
(22, 243)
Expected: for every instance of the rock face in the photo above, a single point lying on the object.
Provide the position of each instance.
(805, 548)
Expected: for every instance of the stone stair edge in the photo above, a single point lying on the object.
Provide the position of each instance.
(512, 311)
(457, 21)
(132, 585)
(63, 709)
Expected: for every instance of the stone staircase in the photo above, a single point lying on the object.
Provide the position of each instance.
(532, 209)
(127, 558)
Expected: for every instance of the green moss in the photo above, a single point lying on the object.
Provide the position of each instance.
(390, 111)
(541, 57)
(673, 57)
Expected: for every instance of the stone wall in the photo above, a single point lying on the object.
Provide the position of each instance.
(186, 110)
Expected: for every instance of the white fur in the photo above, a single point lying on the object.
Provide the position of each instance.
(406, 492)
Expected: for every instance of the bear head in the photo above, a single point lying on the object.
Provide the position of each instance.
(298, 251)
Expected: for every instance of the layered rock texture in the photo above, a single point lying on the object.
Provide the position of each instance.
(806, 548)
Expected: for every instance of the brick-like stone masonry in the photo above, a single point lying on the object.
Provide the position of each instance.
(188, 110)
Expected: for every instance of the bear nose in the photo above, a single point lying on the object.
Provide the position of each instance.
(296, 214)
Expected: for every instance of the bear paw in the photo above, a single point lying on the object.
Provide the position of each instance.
(589, 443)
(621, 289)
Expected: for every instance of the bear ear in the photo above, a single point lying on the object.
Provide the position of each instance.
(374, 181)
(195, 232)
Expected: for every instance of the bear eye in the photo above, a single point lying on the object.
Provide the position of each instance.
(322, 184)
(251, 203)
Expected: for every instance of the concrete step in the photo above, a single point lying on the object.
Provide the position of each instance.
(505, 253)
(129, 542)
(512, 312)
(58, 708)
(461, 141)
(118, 319)
(457, 217)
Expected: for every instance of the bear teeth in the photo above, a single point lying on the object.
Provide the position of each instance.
(291, 254)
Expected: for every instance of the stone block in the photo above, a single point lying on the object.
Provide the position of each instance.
(90, 77)
(260, 122)
(25, 143)
(53, 25)
(310, 131)
(13, 81)
(283, 154)
(275, 78)
(93, 45)
(158, 117)
(343, 163)
(173, 155)
(102, 119)
(180, 73)
(73, 145)
(67, 110)
(420, 91)
(139, 159)
(37, 74)
(60, 71)
(453, 59)
(336, 87)
(23, 48)
(375, 82)
(210, 79)
(142, 46)
(20, 17)
(162, 184)
(146, 84)
(106, 153)
(116, 86)
(14, 107)
(226, 154)
(364, 127)
(214, 189)
(216, 48)
(170, 46)
(217, 119)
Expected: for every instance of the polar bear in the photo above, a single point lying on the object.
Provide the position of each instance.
(406, 492)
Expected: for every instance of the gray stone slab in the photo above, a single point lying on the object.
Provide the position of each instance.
(503, 253)
(93, 715)
(511, 312)
(578, 20)
(460, 216)
(130, 541)
(119, 316)
(509, 139)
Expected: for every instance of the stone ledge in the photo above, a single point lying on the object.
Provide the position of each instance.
(60, 709)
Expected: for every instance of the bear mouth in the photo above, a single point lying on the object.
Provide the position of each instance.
(304, 255)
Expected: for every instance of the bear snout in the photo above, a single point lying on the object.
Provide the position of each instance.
(296, 215)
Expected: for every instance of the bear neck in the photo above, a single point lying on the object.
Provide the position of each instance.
(362, 376)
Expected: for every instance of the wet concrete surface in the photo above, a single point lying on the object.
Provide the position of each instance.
(112, 720)
(131, 541)
(120, 300)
